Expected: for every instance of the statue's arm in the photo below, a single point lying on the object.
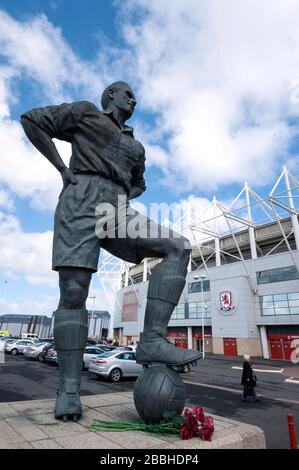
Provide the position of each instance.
(138, 181)
(41, 125)
(43, 142)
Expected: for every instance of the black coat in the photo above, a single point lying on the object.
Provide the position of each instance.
(248, 377)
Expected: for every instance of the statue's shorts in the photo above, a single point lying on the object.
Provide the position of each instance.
(95, 213)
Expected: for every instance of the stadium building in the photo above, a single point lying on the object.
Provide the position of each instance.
(242, 288)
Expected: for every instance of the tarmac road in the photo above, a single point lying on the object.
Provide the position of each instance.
(214, 383)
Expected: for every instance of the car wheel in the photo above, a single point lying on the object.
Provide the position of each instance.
(115, 375)
(14, 352)
(40, 358)
(186, 368)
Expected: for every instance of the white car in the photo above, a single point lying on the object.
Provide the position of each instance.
(18, 347)
(89, 353)
(126, 348)
(115, 365)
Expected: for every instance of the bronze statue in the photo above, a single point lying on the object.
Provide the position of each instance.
(106, 166)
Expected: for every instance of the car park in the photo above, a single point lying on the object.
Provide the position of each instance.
(115, 365)
(18, 347)
(34, 351)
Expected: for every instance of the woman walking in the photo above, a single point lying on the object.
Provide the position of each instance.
(248, 380)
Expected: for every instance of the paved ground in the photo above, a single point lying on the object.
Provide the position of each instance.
(214, 383)
(31, 424)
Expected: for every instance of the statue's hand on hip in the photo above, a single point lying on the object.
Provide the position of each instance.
(68, 177)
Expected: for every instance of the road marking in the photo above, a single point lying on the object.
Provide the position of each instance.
(240, 392)
(291, 380)
(280, 371)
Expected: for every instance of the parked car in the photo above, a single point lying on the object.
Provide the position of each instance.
(115, 365)
(90, 342)
(106, 347)
(29, 336)
(91, 352)
(126, 348)
(5, 339)
(18, 347)
(35, 351)
(42, 355)
(51, 356)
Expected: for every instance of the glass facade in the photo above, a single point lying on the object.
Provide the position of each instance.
(196, 287)
(287, 273)
(191, 310)
(280, 304)
(195, 309)
(179, 312)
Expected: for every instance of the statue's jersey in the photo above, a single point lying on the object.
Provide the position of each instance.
(99, 145)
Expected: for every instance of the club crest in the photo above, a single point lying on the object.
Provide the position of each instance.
(226, 300)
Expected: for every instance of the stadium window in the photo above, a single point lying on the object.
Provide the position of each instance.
(195, 310)
(179, 312)
(280, 304)
(194, 287)
(287, 273)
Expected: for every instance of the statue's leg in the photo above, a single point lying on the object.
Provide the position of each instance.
(147, 239)
(70, 336)
(166, 285)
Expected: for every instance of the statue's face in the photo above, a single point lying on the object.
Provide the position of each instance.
(124, 99)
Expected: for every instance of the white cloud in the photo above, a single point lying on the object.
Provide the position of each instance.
(6, 200)
(26, 254)
(36, 51)
(45, 306)
(221, 76)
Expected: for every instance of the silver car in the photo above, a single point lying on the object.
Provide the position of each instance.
(115, 365)
(90, 352)
(18, 347)
(35, 350)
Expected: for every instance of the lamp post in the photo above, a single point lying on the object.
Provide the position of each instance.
(202, 277)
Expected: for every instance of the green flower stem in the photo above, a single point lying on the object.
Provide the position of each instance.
(162, 428)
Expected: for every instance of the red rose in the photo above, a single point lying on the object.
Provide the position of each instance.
(185, 432)
(207, 429)
(199, 413)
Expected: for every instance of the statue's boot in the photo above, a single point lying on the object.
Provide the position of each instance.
(165, 288)
(154, 348)
(70, 336)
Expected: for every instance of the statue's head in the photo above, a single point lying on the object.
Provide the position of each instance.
(119, 95)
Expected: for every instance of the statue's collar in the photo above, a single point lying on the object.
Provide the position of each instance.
(125, 128)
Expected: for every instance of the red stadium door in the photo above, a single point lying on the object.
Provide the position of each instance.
(280, 346)
(230, 347)
(276, 348)
(181, 343)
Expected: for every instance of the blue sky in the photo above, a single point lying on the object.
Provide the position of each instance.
(216, 107)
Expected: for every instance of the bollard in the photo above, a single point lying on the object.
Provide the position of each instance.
(292, 431)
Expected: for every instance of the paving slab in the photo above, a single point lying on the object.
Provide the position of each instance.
(6, 410)
(31, 424)
(90, 440)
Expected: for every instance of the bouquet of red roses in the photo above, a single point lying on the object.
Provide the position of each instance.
(193, 423)
(196, 424)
